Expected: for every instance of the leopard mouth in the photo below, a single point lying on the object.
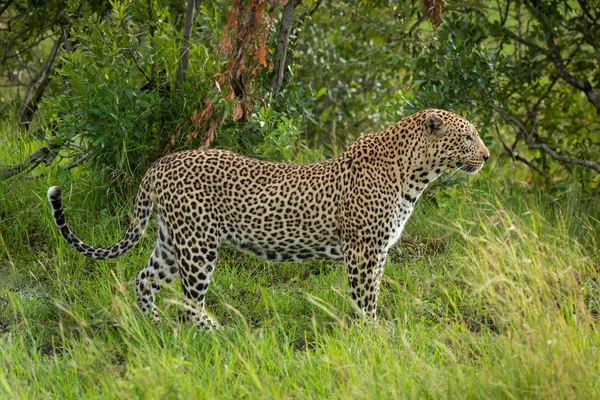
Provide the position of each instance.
(469, 168)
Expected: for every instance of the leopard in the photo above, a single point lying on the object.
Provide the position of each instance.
(352, 207)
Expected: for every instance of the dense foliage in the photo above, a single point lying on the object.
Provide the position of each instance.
(526, 72)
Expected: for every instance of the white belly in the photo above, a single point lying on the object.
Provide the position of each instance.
(395, 235)
(399, 222)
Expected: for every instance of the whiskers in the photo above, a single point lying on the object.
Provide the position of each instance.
(453, 176)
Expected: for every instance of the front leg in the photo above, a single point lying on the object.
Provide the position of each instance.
(366, 216)
(364, 266)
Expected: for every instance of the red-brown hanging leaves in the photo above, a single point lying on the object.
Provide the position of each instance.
(433, 10)
(244, 43)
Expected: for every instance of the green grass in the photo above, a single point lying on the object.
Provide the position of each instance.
(495, 294)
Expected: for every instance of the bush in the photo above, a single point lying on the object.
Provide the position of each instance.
(118, 105)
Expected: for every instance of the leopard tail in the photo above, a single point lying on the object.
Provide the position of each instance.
(142, 213)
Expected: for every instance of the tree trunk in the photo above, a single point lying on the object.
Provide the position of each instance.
(30, 104)
(283, 38)
(185, 45)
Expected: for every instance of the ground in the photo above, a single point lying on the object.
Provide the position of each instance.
(494, 292)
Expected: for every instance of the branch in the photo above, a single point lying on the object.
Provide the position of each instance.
(553, 54)
(564, 159)
(5, 6)
(526, 135)
(590, 40)
(308, 14)
(7, 56)
(587, 12)
(527, 43)
(554, 80)
(185, 44)
(503, 14)
(283, 38)
(516, 157)
(137, 65)
(546, 93)
(416, 25)
(29, 105)
(540, 11)
(32, 161)
(583, 85)
(66, 38)
(76, 162)
(9, 46)
(300, 21)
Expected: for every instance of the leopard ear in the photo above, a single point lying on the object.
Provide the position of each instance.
(434, 124)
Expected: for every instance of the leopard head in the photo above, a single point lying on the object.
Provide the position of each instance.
(453, 142)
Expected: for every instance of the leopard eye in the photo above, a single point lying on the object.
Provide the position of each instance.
(470, 138)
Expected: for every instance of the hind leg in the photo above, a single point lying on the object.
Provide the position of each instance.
(197, 257)
(162, 268)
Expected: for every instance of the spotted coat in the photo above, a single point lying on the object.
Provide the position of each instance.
(352, 207)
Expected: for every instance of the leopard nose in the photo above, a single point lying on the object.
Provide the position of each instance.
(485, 158)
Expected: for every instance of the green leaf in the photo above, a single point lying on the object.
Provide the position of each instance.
(321, 92)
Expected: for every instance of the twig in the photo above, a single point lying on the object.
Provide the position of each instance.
(526, 135)
(416, 24)
(137, 65)
(527, 43)
(512, 154)
(76, 162)
(293, 35)
(20, 52)
(307, 14)
(503, 14)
